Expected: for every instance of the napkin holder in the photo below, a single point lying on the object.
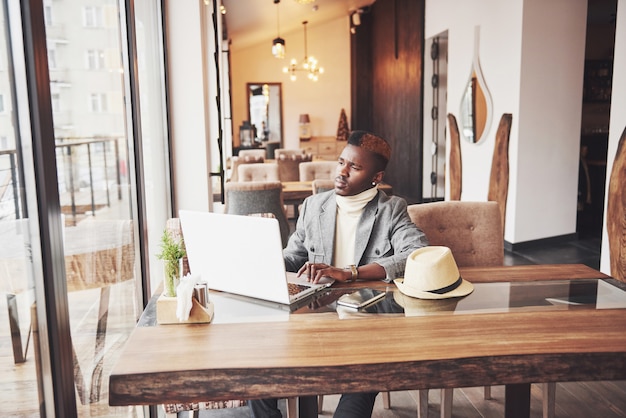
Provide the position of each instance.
(166, 311)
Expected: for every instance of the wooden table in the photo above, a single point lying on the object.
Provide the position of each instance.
(321, 352)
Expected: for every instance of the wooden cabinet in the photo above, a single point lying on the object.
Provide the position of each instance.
(323, 147)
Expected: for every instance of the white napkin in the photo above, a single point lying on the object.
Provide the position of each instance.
(184, 295)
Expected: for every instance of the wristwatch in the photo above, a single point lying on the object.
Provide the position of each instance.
(355, 273)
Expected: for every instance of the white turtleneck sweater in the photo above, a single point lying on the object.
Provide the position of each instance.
(349, 209)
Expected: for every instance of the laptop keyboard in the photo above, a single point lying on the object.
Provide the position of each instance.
(294, 288)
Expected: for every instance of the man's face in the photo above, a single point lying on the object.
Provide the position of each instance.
(356, 171)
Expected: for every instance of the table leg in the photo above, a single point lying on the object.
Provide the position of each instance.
(307, 407)
(517, 401)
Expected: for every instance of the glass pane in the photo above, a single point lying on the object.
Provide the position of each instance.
(97, 198)
(18, 386)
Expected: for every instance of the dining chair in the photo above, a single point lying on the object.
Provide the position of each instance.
(255, 153)
(289, 165)
(235, 162)
(245, 198)
(287, 152)
(473, 232)
(312, 170)
(322, 185)
(258, 172)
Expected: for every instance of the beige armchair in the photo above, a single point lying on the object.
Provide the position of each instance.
(322, 185)
(258, 172)
(288, 152)
(254, 153)
(473, 232)
(312, 170)
(235, 162)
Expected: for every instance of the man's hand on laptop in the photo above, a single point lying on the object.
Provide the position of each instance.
(315, 272)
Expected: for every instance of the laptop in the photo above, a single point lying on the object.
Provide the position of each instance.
(242, 255)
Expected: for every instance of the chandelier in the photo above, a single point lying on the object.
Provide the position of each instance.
(278, 44)
(310, 65)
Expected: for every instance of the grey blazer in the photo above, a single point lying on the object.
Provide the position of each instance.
(385, 234)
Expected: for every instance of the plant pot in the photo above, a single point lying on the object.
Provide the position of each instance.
(171, 276)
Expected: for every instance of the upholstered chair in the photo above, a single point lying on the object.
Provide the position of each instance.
(473, 232)
(245, 198)
(312, 170)
(254, 153)
(322, 185)
(289, 165)
(288, 152)
(258, 172)
(235, 162)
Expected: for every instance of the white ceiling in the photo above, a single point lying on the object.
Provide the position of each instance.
(252, 22)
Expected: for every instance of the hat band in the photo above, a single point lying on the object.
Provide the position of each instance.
(447, 288)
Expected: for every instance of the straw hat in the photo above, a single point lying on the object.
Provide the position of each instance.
(431, 273)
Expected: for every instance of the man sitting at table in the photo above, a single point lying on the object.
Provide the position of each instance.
(355, 232)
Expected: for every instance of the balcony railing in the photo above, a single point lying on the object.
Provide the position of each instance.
(86, 167)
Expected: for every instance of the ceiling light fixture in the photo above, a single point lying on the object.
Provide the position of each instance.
(304, 1)
(278, 44)
(309, 65)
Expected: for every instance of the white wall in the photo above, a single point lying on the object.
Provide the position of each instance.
(532, 64)
(322, 100)
(618, 115)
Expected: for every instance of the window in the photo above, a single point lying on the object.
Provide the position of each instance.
(95, 59)
(98, 102)
(2, 108)
(52, 58)
(47, 15)
(56, 102)
(92, 17)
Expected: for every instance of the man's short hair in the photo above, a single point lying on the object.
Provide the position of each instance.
(373, 143)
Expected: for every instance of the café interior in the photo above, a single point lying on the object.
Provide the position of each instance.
(120, 114)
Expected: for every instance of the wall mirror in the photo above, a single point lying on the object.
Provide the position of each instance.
(476, 105)
(265, 111)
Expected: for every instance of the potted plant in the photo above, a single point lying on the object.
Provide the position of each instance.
(172, 253)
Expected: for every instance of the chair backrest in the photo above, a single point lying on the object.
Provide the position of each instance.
(312, 170)
(235, 162)
(322, 185)
(472, 230)
(258, 172)
(289, 165)
(256, 153)
(288, 152)
(245, 198)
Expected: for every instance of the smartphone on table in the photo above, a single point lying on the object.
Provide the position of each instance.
(361, 298)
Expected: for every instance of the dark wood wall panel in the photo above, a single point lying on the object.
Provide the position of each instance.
(387, 86)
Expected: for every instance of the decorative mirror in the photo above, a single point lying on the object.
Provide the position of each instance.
(265, 111)
(476, 105)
